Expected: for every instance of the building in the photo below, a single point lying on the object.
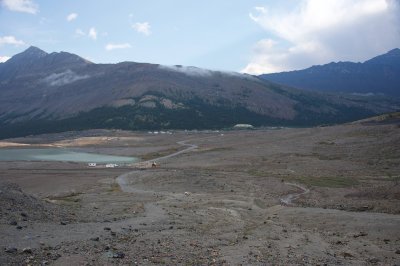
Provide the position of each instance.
(243, 126)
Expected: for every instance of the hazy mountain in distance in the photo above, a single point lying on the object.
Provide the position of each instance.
(34, 60)
(41, 92)
(379, 75)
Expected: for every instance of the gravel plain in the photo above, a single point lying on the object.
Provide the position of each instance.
(218, 203)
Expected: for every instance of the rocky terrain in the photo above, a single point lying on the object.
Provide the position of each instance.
(222, 202)
(377, 76)
(56, 92)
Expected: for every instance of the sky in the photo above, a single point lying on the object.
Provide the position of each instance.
(249, 36)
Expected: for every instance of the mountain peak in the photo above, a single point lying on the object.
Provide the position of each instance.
(390, 58)
(33, 55)
(34, 59)
(395, 51)
(29, 55)
(33, 52)
(379, 75)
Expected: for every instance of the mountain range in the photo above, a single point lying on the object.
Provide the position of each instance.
(52, 92)
(379, 75)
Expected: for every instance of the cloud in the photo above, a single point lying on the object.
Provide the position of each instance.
(10, 40)
(72, 17)
(44, 21)
(260, 9)
(92, 33)
(4, 58)
(317, 32)
(113, 46)
(143, 28)
(27, 6)
(80, 32)
(63, 78)
(201, 72)
(188, 70)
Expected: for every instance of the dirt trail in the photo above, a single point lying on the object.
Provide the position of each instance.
(182, 143)
(123, 182)
(122, 179)
(125, 187)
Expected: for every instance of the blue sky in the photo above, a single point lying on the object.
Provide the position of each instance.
(236, 35)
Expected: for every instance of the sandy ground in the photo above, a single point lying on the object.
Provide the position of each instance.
(222, 202)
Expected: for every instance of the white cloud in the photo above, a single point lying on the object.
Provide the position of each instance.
(80, 32)
(72, 17)
(188, 70)
(27, 6)
(92, 33)
(10, 40)
(63, 78)
(317, 32)
(113, 46)
(44, 21)
(261, 9)
(4, 58)
(202, 72)
(143, 28)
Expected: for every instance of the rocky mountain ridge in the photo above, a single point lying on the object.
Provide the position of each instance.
(377, 76)
(41, 92)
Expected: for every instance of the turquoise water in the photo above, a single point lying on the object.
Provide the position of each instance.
(63, 155)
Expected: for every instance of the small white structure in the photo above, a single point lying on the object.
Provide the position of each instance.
(92, 164)
(243, 126)
(111, 165)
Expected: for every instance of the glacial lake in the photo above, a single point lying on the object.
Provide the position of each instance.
(60, 154)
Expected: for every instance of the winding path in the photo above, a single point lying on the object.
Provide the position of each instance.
(122, 179)
(182, 143)
(125, 187)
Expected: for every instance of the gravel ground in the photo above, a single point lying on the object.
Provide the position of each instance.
(218, 204)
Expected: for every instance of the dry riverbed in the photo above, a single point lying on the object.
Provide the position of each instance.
(313, 196)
